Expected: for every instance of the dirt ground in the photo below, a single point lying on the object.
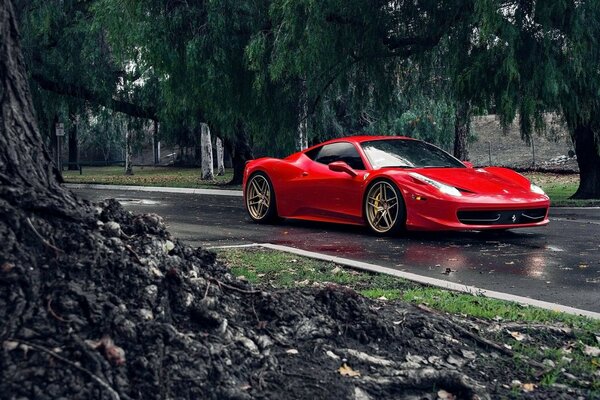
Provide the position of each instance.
(119, 309)
(495, 146)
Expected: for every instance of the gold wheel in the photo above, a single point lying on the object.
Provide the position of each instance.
(258, 197)
(382, 207)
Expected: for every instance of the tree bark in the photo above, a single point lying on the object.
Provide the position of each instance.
(462, 130)
(208, 173)
(240, 151)
(587, 149)
(302, 140)
(73, 145)
(128, 152)
(220, 157)
(29, 179)
(155, 144)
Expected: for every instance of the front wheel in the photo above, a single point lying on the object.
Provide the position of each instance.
(384, 208)
(260, 198)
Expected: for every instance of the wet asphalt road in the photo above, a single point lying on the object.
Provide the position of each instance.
(559, 263)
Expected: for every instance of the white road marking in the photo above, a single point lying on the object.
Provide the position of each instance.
(213, 192)
(423, 279)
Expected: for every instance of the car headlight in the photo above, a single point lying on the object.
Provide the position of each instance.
(442, 187)
(536, 189)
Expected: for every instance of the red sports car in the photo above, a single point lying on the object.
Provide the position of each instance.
(390, 183)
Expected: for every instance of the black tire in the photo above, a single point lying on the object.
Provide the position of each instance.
(260, 189)
(373, 211)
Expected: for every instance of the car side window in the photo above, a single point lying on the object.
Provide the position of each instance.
(341, 151)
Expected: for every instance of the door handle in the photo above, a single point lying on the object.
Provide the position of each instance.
(304, 173)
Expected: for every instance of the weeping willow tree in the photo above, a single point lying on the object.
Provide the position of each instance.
(521, 58)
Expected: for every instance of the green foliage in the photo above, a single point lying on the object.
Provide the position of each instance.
(350, 66)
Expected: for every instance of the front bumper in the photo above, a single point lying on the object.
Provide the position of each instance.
(475, 212)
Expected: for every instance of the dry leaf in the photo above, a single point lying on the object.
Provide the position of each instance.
(112, 352)
(591, 351)
(9, 345)
(528, 387)
(518, 336)
(443, 395)
(7, 267)
(345, 370)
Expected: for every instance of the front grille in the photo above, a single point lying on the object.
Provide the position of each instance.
(502, 217)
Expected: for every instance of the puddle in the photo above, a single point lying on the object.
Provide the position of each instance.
(142, 202)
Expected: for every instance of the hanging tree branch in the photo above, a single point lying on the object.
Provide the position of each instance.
(84, 93)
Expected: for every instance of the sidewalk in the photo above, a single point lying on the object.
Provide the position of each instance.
(214, 192)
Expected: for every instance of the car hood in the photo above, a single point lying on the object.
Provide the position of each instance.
(477, 180)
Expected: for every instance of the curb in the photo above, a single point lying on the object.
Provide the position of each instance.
(213, 192)
(425, 280)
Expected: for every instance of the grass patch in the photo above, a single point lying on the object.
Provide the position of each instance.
(560, 187)
(148, 176)
(565, 355)
(284, 270)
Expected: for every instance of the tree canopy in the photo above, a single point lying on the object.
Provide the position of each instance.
(259, 69)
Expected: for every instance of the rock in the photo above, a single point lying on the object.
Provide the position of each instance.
(112, 229)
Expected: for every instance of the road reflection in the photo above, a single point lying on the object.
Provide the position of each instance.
(521, 254)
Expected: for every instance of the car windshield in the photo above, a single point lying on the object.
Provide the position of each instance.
(407, 153)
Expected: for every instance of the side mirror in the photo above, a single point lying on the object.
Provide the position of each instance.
(340, 166)
(468, 164)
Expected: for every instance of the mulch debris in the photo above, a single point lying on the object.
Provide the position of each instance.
(117, 308)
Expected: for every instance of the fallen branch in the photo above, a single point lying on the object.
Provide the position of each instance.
(222, 284)
(515, 326)
(53, 313)
(47, 243)
(483, 341)
(128, 247)
(97, 379)
(428, 378)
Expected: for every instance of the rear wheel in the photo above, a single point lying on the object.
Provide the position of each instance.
(384, 208)
(260, 198)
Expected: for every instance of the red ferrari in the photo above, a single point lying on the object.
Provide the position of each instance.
(389, 184)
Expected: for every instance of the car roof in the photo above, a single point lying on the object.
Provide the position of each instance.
(360, 139)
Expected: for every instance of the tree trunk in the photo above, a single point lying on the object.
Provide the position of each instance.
(208, 173)
(587, 148)
(128, 151)
(462, 130)
(240, 151)
(220, 157)
(302, 140)
(73, 145)
(29, 179)
(155, 144)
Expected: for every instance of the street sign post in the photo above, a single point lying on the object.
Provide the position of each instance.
(60, 132)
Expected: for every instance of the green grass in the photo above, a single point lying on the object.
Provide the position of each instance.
(560, 187)
(285, 270)
(147, 176)
(275, 269)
